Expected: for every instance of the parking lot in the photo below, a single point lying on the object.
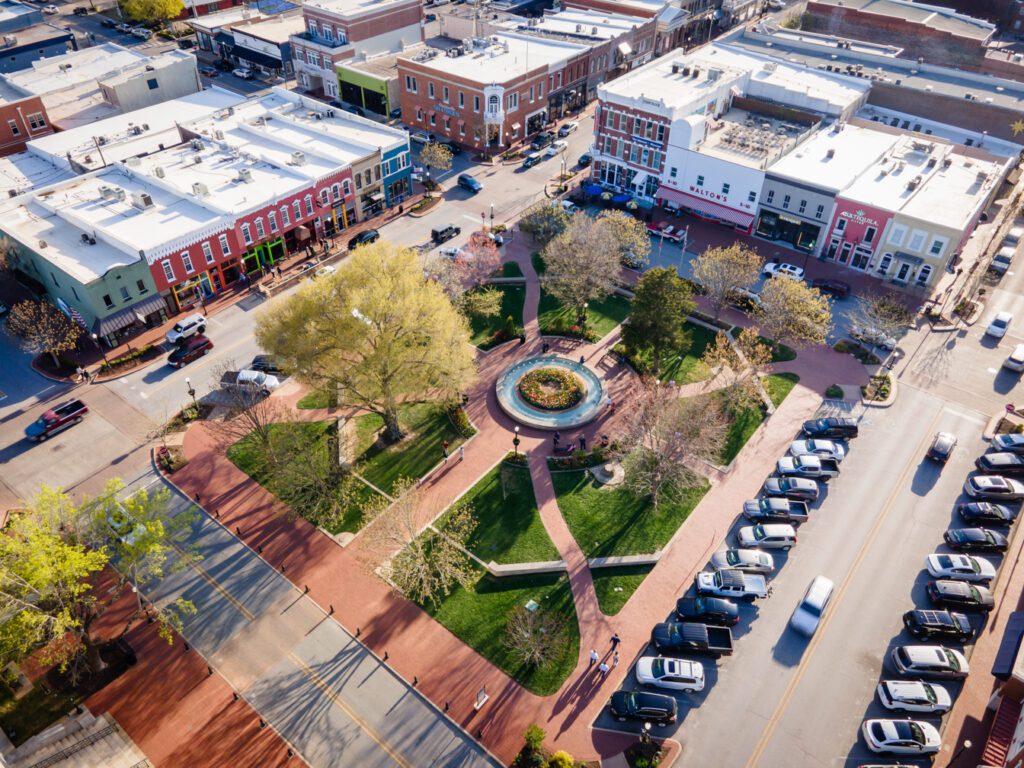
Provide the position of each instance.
(780, 694)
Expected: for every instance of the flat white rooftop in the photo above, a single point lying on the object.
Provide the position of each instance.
(24, 171)
(11, 12)
(213, 21)
(834, 159)
(952, 194)
(578, 23)
(647, 7)
(57, 73)
(276, 29)
(934, 16)
(952, 133)
(511, 57)
(356, 7)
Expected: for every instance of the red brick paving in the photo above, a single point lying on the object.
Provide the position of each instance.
(419, 646)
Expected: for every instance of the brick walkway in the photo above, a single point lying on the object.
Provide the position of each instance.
(417, 645)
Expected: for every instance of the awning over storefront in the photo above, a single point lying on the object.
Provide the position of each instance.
(640, 177)
(625, 49)
(1009, 646)
(124, 317)
(376, 197)
(256, 57)
(706, 207)
(908, 258)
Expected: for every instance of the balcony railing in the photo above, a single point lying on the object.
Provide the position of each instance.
(319, 40)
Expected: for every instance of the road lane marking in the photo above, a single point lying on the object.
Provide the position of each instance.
(336, 699)
(217, 586)
(812, 646)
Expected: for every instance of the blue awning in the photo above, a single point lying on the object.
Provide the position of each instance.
(256, 57)
(622, 198)
(593, 189)
(1002, 667)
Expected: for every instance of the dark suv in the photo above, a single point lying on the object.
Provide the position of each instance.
(369, 236)
(445, 233)
(543, 139)
(189, 350)
(925, 625)
(639, 705)
(830, 428)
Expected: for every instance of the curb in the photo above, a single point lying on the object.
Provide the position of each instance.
(421, 214)
(893, 391)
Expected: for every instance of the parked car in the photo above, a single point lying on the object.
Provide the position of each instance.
(640, 705)
(744, 298)
(186, 327)
(532, 159)
(994, 487)
(826, 448)
(837, 427)
(901, 737)
(960, 567)
(469, 183)
(207, 71)
(223, 65)
(108, 22)
(1014, 443)
(584, 161)
(986, 513)
(541, 140)
(369, 236)
(873, 336)
(776, 269)
(999, 325)
(942, 447)
(731, 583)
(748, 560)
(837, 288)
(556, 147)
(807, 465)
(775, 510)
(190, 349)
(1014, 236)
(777, 5)
(675, 674)
(975, 540)
(185, 43)
(56, 420)
(141, 32)
(243, 72)
(325, 270)
(708, 610)
(249, 382)
(421, 137)
(1015, 360)
(929, 625)
(1003, 259)
(80, 10)
(807, 616)
(797, 488)
(947, 593)
(443, 234)
(684, 637)
(568, 128)
(429, 17)
(914, 696)
(769, 536)
(122, 27)
(929, 661)
(1001, 463)
(267, 364)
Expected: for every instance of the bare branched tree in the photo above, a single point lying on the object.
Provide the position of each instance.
(881, 316)
(464, 276)
(666, 438)
(736, 365)
(251, 413)
(535, 637)
(421, 563)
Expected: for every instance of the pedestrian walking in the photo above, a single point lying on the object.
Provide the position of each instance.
(615, 660)
(593, 657)
(608, 403)
(615, 641)
(444, 447)
(583, 359)
(603, 668)
(544, 348)
(770, 590)
(462, 453)
(583, 442)
(79, 373)
(556, 437)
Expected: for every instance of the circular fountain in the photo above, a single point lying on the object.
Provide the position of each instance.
(550, 393)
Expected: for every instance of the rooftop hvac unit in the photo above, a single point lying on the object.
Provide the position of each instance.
(197, 145)
(695, 72)
(932, 162)
(119, 194)
(330, 113)
(145, 126)
(132, 162)
(218, 134)
(197, 159)
(135, 130)
(298, 158)
(199, 189)
(12, 193)
(830, 154)
(42, 243)
(158, 171)
(107, 193)
(142, 200)
(770, 66)
(244, 174)
(101, 140)
(10, 40)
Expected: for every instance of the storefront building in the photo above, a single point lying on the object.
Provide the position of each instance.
(794, 213)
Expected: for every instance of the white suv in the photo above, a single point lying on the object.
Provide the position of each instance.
(674, 674)
(186, 327)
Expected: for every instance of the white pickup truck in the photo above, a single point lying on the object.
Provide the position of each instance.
(733, 583)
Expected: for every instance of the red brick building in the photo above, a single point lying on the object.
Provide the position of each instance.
(22, 118)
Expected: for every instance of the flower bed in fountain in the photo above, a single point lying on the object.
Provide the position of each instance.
(553, 389)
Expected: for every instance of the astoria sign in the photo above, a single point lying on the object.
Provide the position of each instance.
(859, 218)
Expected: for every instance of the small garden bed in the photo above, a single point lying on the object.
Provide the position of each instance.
(133, 359)
(877, 389)
(171, 458)
(580, 459)
(965, 308)
(551, 389)
(641, 755)
(845, 346)
(424, 204)
(186, 416)
(834, 392)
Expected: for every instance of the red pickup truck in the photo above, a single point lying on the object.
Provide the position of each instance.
(55, 420)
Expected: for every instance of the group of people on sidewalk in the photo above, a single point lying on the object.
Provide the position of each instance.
(603, 668)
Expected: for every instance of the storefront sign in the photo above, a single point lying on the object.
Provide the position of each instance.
(646, 142)
(859, 217)
(701, 192)
(446, 110)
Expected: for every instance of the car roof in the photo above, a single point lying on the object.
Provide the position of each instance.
(1004, 316)
(777, 529)
(819, 591)
(928, 654)
(900, 688)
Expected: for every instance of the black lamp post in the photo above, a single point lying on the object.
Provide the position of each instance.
(96, 341)
(192, 393)
(515, 441)
(492, 217)
(963, 747)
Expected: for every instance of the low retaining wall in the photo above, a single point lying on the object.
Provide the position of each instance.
(617, 561)
(524, 569)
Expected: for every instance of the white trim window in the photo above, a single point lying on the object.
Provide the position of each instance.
(310, 210)
(225, 248)
(260, 231)
(207, 252)
(336, 192)
(285, 219)
(924, 274)
(297, 208)
(187, 261)
(272, 220)
(325, 197)
(917, 239)
(168, 270)
(346, 187)
(897, 235)
(938, 247)
(246, 234)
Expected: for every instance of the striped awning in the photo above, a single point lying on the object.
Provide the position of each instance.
(706, 207)
(136, 313)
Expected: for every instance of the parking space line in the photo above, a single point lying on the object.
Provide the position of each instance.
(812, 646)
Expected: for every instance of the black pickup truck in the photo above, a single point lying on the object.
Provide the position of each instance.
(56, 420)
(678, 637)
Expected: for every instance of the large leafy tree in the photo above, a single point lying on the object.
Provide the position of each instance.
(544, 222)
(722, 271)
(152, 10)
(661, 303)
(376, 331)
(434, 155)
(41, 328)
(792, 312)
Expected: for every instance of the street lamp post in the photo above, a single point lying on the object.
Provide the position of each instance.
(192, 392)
(585, 306)
(963, 747)
(515, 441)
(96, 341)
(492, 217)
(645, 735)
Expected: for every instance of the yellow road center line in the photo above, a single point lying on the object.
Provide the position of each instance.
(780, 708)
(217, 586)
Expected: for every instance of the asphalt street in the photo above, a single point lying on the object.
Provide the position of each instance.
(781, 695)
(327, 695)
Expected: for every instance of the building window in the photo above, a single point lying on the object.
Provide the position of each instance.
(246, 234)
(751, 197)
(107, 301)
(513, 101)
(168, 271)
(869, 234)
(462, 99)
(820, 212)
(673, 172)
(802, 207)
(359, 181)
(313, 58)
(207, 252)
(36, 121)
(700, 181)
(367, 178)
(841, 225)
(139, 285)
(15, 131)
(476, 103)
(433, 119)
(312, 28)
(924, 274)
(770, 197)
(125, 296)
(297, 207)
(462, 129)
(444, 94)
(328, 35)
(260, 231)
(325, 197)
(430, 90)
(224, 247)
(272, 220)
(533, 90)
(785, 201)
(410, 84)
(309, 205)
(916, 241)
(725, 189)
(285, 218)
(938, 246)
(187, 261)
(346, 187)
(419, 115)
(336, 192)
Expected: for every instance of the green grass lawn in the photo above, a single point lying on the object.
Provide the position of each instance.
(538, 263)
(478, 616)
(686, 367)
(23, 718)
(244, 456)
(426, 426)
(602, 316)
(509, 528)
(779, 385)
(314, 401)
(483, 329)
(614, 586)
(615, 521)
(511, 269)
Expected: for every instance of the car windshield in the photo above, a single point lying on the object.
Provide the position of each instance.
(759, 532)
(975, 594)
(929, 692)
(913, 731)
(658, 667)
(953, 663)
(811, 608)
(732, 557)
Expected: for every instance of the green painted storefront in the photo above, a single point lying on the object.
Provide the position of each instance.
(364, 89)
